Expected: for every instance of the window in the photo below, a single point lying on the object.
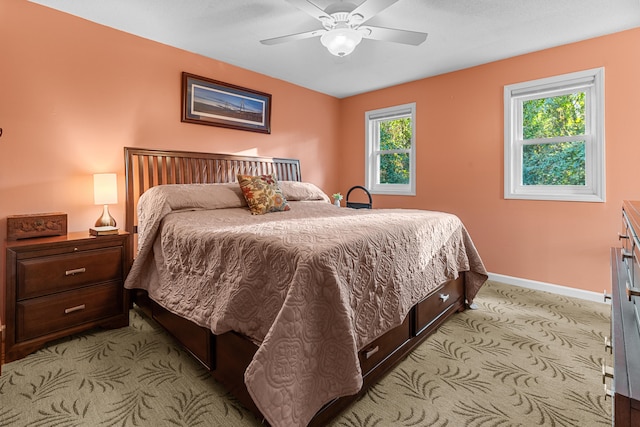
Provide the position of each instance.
(390, 165)
(554, 138)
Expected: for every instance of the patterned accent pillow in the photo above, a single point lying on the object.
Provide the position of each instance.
(262, 193)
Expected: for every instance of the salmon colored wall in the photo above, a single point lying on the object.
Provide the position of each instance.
(460, 161)
(73, 94)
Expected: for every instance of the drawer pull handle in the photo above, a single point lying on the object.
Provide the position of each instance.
(632, 291)
(606, 296)
(622, 236)
(75, 271)
(444, 297)
(371, 351)
(608, 392)
(72, 309)
(607, 344)
(626, 254)
(607, 372)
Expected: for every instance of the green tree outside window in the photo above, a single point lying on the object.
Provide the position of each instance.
(554, 162)
(394, 166)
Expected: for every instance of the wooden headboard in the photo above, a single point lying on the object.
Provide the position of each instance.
(145, 168)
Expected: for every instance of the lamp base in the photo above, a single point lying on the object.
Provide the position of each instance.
(106, 219)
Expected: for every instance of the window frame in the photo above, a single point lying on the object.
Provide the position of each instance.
(592, 83)
(373, 152)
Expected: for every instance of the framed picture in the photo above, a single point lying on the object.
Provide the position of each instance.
(211, 102)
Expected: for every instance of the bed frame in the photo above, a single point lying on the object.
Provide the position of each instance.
(227, 356)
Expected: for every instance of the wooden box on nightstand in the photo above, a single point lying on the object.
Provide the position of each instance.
(57, 286)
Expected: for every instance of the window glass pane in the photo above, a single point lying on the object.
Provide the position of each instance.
(394, 168)
(555, 116)
(390, 150)
(554, 164)
(395, 134)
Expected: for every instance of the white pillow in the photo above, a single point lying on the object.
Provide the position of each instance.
(301, 191)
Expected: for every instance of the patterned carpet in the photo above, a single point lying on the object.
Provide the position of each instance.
(524, 358)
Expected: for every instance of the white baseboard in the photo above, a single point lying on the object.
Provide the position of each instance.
(547, 287)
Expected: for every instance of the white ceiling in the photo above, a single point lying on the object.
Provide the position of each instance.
(462, 34)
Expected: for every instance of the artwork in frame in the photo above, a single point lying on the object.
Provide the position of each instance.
(211, 102)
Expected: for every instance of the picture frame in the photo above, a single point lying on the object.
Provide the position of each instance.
(214, 103)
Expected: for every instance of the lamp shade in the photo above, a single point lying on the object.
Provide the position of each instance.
(105, 188)
(341, 41)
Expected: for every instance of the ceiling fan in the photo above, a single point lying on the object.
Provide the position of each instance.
(343, 26)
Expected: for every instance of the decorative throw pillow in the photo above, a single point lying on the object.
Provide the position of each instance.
(263, 194)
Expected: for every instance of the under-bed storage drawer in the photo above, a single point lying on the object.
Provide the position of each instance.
(384, 346)
(197, 339)
(435, 305)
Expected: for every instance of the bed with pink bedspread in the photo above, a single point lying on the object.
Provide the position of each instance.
(310, 287)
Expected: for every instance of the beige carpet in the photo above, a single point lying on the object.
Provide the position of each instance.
(524, 358)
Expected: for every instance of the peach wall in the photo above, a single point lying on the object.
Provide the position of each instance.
(73, 94)
(460, 161)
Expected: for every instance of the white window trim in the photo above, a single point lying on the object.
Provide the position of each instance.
(594, 188)
(372, 170)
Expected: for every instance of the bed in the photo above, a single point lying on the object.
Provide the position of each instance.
(298, 311)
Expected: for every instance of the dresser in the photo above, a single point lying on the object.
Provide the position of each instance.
(625, 321)
(57, 286)
(1, 345)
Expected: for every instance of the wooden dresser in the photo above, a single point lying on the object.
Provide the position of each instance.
(57, 286)
(1, 345)
(625, 321)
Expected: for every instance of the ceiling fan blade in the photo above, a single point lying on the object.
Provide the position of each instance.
(392, 35)
(293, 37)
(311, 9)
(370, 8)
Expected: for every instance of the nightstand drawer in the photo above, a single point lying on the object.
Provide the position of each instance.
(46, 275)
(41, 316)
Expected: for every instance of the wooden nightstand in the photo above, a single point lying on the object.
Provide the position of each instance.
(57, 286)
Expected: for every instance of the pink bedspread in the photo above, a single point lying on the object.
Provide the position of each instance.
(310, 286)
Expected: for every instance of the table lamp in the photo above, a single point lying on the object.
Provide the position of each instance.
(105, 192)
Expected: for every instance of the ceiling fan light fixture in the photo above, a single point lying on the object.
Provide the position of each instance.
(341, 41)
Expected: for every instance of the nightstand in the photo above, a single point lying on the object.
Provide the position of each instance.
(57, 286)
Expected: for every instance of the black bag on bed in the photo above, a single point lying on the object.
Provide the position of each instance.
(357, 205)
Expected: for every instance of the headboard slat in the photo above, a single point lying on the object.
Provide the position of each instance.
(145, 168)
